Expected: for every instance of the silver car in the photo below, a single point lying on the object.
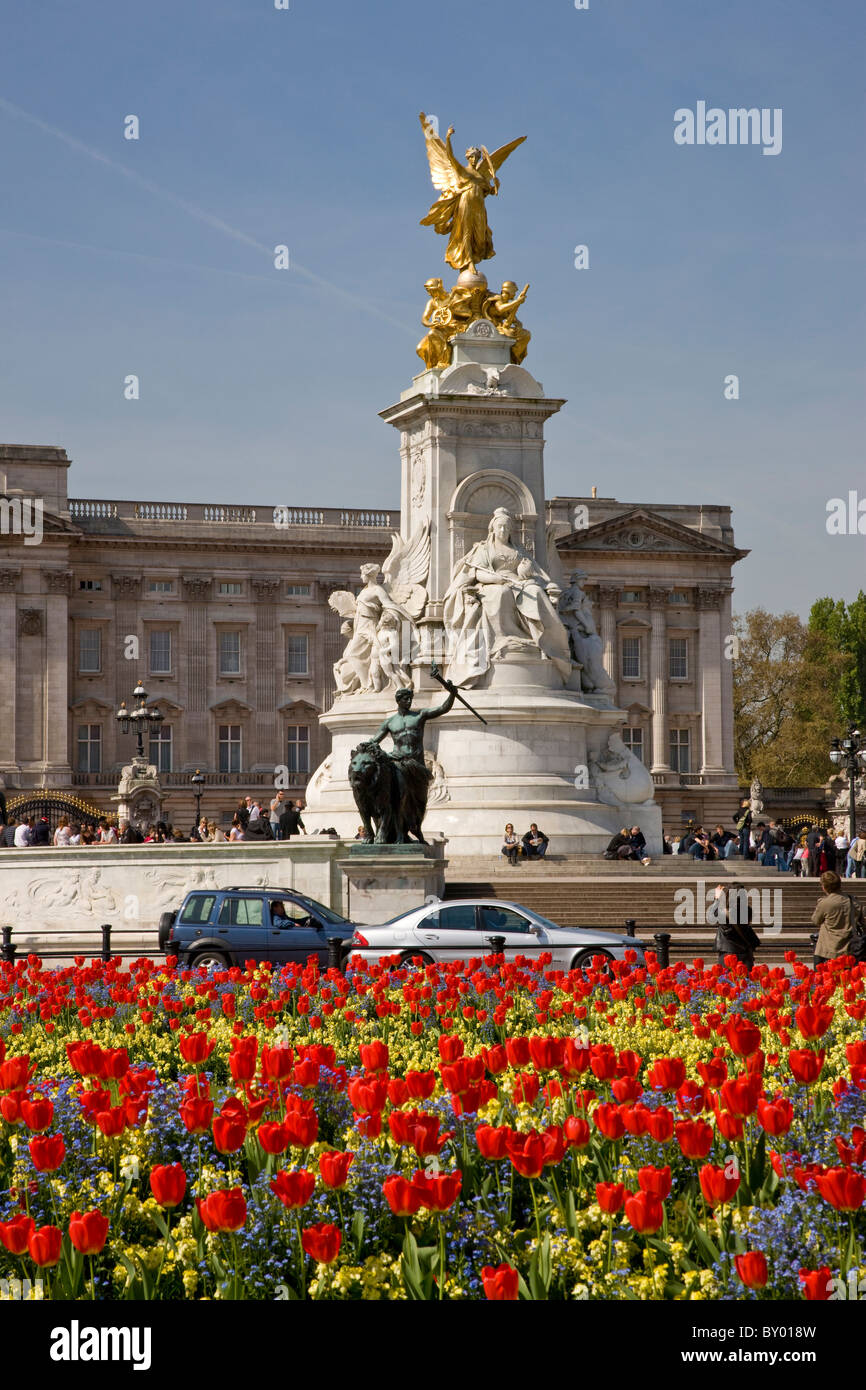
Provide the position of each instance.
(466, 927)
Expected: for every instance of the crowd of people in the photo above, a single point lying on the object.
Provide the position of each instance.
(278, 819)
(807, 854)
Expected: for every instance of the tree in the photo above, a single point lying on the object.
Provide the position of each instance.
(785, 705)
(845, 627)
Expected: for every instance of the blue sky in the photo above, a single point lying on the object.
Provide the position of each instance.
(260, 127)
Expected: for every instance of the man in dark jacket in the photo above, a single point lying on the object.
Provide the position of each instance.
(813, 845)
(735, 936)
(41, 832)
(743, 823)
(9, 832)
(620, 846)
(290, 822)
(535, 842)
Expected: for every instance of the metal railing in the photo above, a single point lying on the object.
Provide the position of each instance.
(338, 947)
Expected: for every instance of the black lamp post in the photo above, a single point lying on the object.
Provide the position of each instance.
(139, 720)
(197, 780)
(849, 754)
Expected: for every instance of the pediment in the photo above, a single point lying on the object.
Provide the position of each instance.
(641, 529)
(91, 704)
(167, 707)
(232, 708)
(297, 707)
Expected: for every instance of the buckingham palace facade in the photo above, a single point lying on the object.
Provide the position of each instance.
(221, 611)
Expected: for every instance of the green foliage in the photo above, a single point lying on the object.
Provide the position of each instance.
(844, 625)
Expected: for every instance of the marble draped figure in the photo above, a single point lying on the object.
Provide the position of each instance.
(576, 612)
(500, 601)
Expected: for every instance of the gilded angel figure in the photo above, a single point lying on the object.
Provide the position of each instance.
(459, 212)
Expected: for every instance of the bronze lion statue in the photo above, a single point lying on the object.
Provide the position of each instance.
(382, 797)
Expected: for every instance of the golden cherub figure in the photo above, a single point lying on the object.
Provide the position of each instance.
(501, 309)
(459, 212)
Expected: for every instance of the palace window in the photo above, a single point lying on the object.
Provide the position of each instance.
(90, 584)
(298, 748)
(160, 653)
(297, 654)
(678, 658)
(230, 653)
(90, 649)
(160, 749)
(633, 740)
(679, 596)
(90, 748)
(680, 750)
(631, 664)
(160, 586)
(229, 586)
(631, 596)
(298, 591)
(229, 747)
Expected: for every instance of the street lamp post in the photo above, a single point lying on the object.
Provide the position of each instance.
(849, 755)
(197, 781)
(139, 720)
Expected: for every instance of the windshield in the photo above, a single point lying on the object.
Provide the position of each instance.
(326, 913)
(546, 922)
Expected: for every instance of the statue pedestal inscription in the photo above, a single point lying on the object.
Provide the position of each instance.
(383, 881)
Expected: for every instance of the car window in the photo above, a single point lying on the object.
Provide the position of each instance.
(460, 917)
(241, 912)
(502, 919)
(198, 908)
(429, 923)
(296, 912)
(325, 914)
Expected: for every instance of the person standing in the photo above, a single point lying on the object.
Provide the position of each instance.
(24, 833)
(291, 822)
(735, 935)
(835, 916)
(41, 833)
(276, 808)
(855, 863)
(813, 845)
(61, 834)
(743, 823)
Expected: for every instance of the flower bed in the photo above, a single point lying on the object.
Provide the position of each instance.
(488, 1130)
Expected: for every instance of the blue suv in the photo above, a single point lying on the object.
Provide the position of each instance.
(219, 927)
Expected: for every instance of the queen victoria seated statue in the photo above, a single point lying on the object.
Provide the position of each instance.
(500, 602)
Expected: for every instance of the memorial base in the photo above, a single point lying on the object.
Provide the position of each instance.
(382, 881)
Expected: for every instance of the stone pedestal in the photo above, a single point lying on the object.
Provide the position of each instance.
(384, 880)
(139, 794)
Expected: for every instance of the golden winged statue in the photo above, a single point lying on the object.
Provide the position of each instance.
(459, 212)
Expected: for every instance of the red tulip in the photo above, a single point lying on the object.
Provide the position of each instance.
(817, 1284)
(575, 1060)
(667, 1074)
(661, 1125)
(714, 1072)
(37, 1114)
(501, 1283)
(729, 1126)
(334, 1167)
(610, 1196)
(806, 1066)
(322, 1242)
(44, 1246)
(626, 1088)
(277, 1062)
(608, 1119)
(855, 1152)
(168, 1184)
(274, 1138)
(695, 1138)
(11, 1107)
(752, 1269)
(302, 1128)
(492, 1141)
(546, 1053)
(15, 1072)
(644, 1212)
(16, 1233)
(421, 1084)
(197, 1115)
(450, 1047)
(374, 1056)
(88, 1231)
(47, 1151)
(112, 1122)
(439, 1191)
(495, 1059)
(691, 1098)
(576, 1131)
(603, 1061)
(655, 1180)
(842, 1188)
(229, 1133)
(856, 1053)
(527, 1153)
(775, 1117)
(195, 1048)
(242, 1058)
(813, 1020)
(224, 1210)
(367, 1097)
(404, 1198)
(716, 1186)
(740, 1094)
(743, 1037)
(517, 1051)
(554, 1145)
(294, 1189)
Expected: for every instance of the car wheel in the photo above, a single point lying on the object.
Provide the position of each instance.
(408, 957)
(209, 960)
(585, 959)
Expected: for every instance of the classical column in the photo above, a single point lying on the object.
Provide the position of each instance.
(727, 686)
(709, 603)
(9, 579)
(658, 681)
(268, 753)
(197, 591)
(56, 710)
(607, 597)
